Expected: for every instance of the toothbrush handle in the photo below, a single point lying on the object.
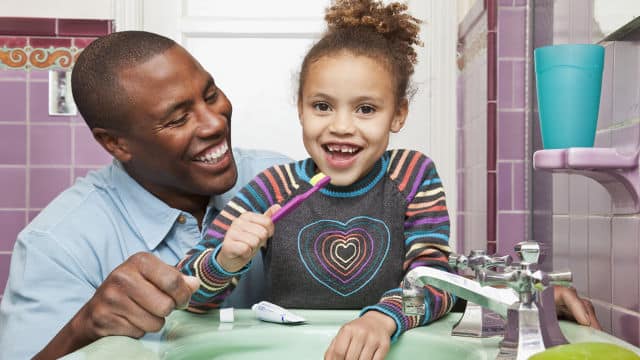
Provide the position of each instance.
(287, 208)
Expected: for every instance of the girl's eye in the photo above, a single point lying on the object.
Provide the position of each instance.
(321, 106)
(366, 109)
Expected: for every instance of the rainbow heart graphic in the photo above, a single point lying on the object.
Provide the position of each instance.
(344, 257)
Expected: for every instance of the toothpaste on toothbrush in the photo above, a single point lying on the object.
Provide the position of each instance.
(267, 311)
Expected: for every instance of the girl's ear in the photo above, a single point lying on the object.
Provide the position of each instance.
(115, 144)
(300, 111)
(400, 116)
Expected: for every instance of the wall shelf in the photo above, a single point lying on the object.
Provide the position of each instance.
(616, 171)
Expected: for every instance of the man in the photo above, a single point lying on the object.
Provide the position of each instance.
(102, 253)
(99, 259)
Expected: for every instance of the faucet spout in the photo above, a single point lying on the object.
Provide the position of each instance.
(496, 300)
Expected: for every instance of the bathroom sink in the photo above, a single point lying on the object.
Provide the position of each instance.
(190, 336)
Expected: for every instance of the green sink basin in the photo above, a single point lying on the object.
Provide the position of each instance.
(189, 336)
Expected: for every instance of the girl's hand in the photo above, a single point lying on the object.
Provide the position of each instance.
(246, 235)
(367, 337)
(570, 306)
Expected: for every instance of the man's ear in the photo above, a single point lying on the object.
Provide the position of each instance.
(111, 141)
(400, 116)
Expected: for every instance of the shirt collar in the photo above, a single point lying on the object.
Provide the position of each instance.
(150, 216)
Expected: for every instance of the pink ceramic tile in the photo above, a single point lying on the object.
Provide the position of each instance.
(600, 258)
(626, 139)
(606, 96)
(12, 188)
(599, 199)
(47, 42)
(460, 233)
(579, 253)
(520, 193)
(13, 41)
(511, 135)
(511, 230)
(505, 84)
(625, 81)
(90, 28)
(39, 104)
(580, 25)
(32, 214)
(511, 30)
(578, 191)
(603, 313)
(27, 26)
(505, 186)
(491, 207)
(82, 43)
(38, 75)
(625, 325)
(11, 222)
(46, 184)
(13, 101)
(492, 136)
(13, 74)
(506, 3)
(13, 140)
(624, 238)
(491, 66)
(82, 171)
(560, 242)
(87, 150)
(50, 145)
(492, 13)
(518, 83)
(520, 2)
(560, 194)
(5, 261)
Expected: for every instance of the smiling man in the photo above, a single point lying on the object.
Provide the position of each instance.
(98, 260)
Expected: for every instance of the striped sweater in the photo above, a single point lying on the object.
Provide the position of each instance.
(344, 247)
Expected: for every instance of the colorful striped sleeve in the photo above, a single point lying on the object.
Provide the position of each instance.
(426, 236)
(268, 188)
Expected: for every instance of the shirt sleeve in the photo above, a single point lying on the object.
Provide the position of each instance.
(33, 307)
(426, 236)
(216, 283)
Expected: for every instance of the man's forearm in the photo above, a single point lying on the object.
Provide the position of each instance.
(67, 340)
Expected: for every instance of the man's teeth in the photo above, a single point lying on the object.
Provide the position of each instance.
(342, 148)
(214, 155)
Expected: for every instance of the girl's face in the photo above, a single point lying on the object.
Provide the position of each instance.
(347, 110)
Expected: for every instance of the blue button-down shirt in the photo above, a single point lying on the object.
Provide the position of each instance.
(69, 249)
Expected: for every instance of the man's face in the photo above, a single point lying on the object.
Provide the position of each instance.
(179, 135)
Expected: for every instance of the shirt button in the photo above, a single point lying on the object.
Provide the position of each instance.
(182, 219)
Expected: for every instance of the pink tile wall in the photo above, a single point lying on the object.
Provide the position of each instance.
(40, 155)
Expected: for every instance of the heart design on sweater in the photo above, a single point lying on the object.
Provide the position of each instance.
(344, 257)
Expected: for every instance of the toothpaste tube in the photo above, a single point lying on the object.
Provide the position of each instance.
(267, 311)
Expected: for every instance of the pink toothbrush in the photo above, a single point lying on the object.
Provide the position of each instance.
(318, 181)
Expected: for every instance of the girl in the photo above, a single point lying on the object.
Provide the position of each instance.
(349, 245)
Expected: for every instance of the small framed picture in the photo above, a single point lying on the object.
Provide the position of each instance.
(60, 96)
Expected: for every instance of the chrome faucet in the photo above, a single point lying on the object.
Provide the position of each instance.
(531, 326)
(478, 321)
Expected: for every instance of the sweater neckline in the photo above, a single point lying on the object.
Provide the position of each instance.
(307, 169)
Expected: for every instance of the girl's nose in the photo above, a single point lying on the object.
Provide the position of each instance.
(342, 123)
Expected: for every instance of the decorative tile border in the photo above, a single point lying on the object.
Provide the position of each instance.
(38, 58)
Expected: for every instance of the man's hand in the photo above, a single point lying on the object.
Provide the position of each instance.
(133, 300)
(246, 235)
(367, 337)
(570, 306)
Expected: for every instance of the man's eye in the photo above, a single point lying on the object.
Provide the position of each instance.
(366, 109)
(212, 98)
(321, 106)
(177, 122)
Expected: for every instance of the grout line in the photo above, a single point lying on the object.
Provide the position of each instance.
(27, 176)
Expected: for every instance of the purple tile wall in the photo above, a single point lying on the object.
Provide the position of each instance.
(40, 155)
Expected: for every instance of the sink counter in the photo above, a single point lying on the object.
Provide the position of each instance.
(191, 336)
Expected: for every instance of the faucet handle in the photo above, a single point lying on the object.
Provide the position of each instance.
(528, 251)
(499, 261)
(542, 280)
(490, 277)
(458, 261)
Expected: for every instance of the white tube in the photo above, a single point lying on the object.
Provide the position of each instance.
(267, 311)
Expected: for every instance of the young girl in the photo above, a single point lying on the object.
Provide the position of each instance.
(349, 245)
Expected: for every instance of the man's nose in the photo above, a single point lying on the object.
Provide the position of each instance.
(211, 123)
(342, 123)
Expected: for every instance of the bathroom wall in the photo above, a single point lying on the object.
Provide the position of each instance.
(40, 155)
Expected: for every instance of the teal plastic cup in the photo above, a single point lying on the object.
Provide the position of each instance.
(569, 81)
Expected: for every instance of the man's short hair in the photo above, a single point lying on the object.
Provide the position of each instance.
(101, 100)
